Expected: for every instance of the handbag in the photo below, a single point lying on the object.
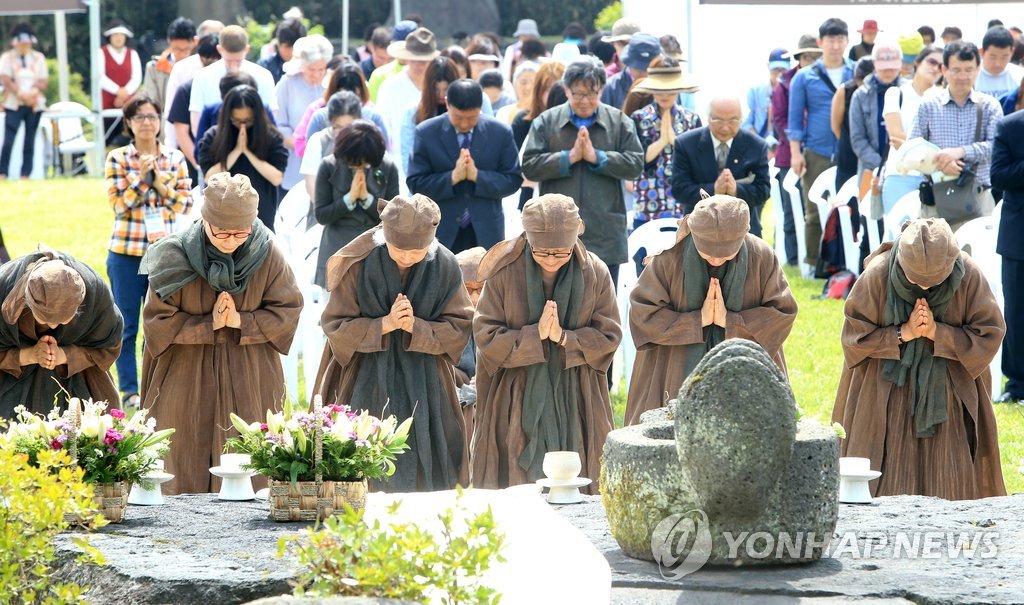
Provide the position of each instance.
(963, 199)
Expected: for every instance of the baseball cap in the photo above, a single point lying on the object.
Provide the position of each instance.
(778, 59)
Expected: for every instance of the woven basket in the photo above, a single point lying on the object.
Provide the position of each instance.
(310, 501)
(110, 498)
(318, 499)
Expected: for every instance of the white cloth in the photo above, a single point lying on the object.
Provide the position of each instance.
(836, 75)
(395, 96)
(206, 86)
(907, 110)
(181, 72)
(119, 57)
(314, 155)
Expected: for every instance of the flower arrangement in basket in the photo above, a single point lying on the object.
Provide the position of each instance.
(318, 461)
(114, 451)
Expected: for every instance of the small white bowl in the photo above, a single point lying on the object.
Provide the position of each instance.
(562, 466)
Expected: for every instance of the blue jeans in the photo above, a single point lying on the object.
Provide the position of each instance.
(896, 186)
(12, 121)
(129, 293)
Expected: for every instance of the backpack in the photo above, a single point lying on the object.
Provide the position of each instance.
(839, 285)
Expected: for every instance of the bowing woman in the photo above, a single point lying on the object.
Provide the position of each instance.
(546, 329)
(222, 309)
(397, 321)
(59, 335)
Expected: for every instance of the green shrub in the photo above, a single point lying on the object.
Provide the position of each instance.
(351, 557)
(76, 86)
(35, 499)
(608, 16)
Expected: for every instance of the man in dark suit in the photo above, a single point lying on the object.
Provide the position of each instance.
(466, 163)
(1007, 173)
(722, 158)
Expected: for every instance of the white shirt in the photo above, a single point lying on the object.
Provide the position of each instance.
(181, 72)
(907, 110)
(394, 97)
(206, 87)
(314, 154)
(119, 57)
(836, 75)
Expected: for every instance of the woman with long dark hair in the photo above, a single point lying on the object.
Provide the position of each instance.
(440, 73)
(245, 142)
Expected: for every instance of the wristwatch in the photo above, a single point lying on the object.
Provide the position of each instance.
(899, 334)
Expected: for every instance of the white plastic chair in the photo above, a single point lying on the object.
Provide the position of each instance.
(841, 199)
(791, 184)
(907, 208)
(69, 133)
(780, 217)
(184, 221)
(980, 236)
(301, 246)
(653, 237)
(822, 191)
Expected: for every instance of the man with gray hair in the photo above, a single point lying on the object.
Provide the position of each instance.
(183, 71)
(722, 159)
(585, 149)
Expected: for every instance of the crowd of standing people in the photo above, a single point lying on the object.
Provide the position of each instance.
(408, 153)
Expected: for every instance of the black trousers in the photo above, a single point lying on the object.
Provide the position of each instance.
(1013, 312)
(12, 120)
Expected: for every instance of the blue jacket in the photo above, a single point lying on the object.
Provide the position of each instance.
(496, 157)
(759, 99)
(1007, 173)
(810, 108)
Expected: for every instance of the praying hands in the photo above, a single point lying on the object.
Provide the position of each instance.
(713, 310)
(401, 316)
(921, 322)
(583, 149)
(225, 314)
(45, 354)
(548, 325)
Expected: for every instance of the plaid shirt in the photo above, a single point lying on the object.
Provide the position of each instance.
(129, 195)
(942, 122)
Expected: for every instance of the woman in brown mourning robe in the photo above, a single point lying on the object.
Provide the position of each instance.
(397, 321)
(921, 328)
(59, 335)
(546, 329)
(717, 282)
(222, 309)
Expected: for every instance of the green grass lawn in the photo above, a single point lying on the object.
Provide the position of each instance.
(72, 215)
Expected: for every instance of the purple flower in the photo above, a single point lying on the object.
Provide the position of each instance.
(362, 443)
(62, 438)
(113, 451)
(116, 413)
(112, 437)
(264, 427)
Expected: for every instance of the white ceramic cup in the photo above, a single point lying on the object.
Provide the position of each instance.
(854, 465)
(234, 460)
(562, 466)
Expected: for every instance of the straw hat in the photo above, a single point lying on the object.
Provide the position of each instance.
(807, 44)
(666, 79)
(420, 45)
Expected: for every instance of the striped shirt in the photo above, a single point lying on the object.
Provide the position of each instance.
(129, 195)
(942, 122)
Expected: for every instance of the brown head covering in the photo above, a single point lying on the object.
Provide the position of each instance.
(469, 262)
(718, 225)
(409, 223)
(230, 202)
(53, 291)
(552, 221)
(927, 251)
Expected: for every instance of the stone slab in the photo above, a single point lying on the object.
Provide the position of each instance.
(196, 549)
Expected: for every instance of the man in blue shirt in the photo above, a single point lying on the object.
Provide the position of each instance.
(759, 98)
(811, 140)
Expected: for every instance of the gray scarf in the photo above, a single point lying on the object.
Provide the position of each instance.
(925, 373)
(178, 260)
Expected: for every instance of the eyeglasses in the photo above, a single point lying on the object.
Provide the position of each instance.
(146, 117)
(933, 62)
(731, 121)
(957, 72)
(583, 96)
(230, 234)
(558, 255)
